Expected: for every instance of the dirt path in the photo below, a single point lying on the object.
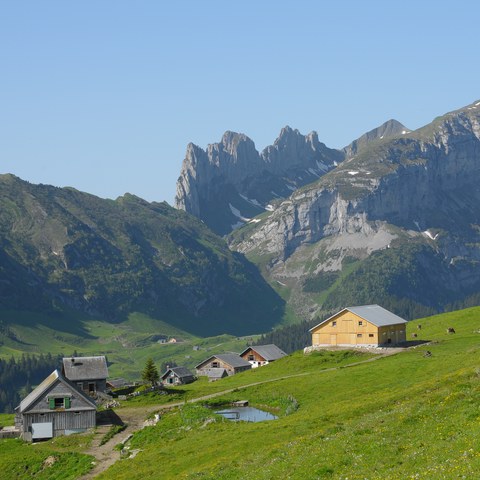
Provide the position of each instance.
(134, 417)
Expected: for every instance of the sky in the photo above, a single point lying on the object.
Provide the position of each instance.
(104, 96)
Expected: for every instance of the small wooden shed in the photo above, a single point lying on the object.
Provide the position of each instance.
(260, 355)
(367, 325)
(177, 376)
(56, 407)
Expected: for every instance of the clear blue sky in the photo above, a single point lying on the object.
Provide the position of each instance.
(105, 95)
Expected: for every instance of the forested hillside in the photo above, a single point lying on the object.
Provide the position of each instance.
(19, 376)
(64, 249)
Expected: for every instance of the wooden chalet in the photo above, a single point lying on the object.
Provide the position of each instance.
(88, 373)
(260, 355)
(367, 325)
(56, 407)
(177, 376)
(231, 363)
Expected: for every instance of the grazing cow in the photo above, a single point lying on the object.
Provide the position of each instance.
(414, 335)
(428, 353)
(450, 330)
(419, 326)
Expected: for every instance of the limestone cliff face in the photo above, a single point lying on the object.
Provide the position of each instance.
(230, 182)
(413, 200)
(423, 180)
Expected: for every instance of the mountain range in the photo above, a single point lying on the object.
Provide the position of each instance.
(393, 218)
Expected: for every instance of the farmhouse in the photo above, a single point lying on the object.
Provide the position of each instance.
(262, 354)
(367, 325)
(230, 362)
(56, 407)
(88, 373)
(177, 376)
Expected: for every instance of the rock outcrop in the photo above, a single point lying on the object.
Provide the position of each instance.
(230, 182)
(424, 179)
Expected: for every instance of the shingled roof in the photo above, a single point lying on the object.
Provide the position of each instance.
(85, 368)
(268, 352)
(232, 359)
(180, 372)
(49, 382)
(375, 314)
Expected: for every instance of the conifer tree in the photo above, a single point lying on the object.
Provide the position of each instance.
(150, 372)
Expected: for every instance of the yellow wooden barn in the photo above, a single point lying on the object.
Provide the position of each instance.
(366, 325)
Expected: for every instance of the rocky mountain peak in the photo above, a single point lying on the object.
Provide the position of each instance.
(389, 129)
(232, 140)
(229, 182)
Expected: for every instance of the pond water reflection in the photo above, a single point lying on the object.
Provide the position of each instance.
(246, 414)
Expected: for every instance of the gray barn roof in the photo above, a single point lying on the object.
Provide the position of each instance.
(180, 372)
(85, 368)
(216, 373)
(268, 352)
(233, 359)
(49, 382)
(375, 314)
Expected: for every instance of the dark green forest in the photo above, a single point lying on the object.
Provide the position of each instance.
(19, 376)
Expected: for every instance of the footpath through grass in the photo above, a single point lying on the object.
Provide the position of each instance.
(403, 416)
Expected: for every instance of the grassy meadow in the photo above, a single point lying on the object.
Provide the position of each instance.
(403, 416)
(342, 415)
(59, 459)
(127, 344)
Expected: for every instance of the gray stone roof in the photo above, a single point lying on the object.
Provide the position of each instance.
(85, 368)
(49, 382)
(180, 372)
(375, 314)
(268, 352)
(232, 359)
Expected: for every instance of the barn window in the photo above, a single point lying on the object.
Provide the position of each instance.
(360, 322)
(334, 323)
(58, 402)
(251, 358)
(215, 364)
(359, 334)
(370, 334)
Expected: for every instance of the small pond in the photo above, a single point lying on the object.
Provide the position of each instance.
(246, 414)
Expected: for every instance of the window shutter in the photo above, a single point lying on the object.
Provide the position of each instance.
(51, 403)
(67, 402)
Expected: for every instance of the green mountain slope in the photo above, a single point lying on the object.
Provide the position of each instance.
(61, 250)
(411, 415)
(402, 416)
